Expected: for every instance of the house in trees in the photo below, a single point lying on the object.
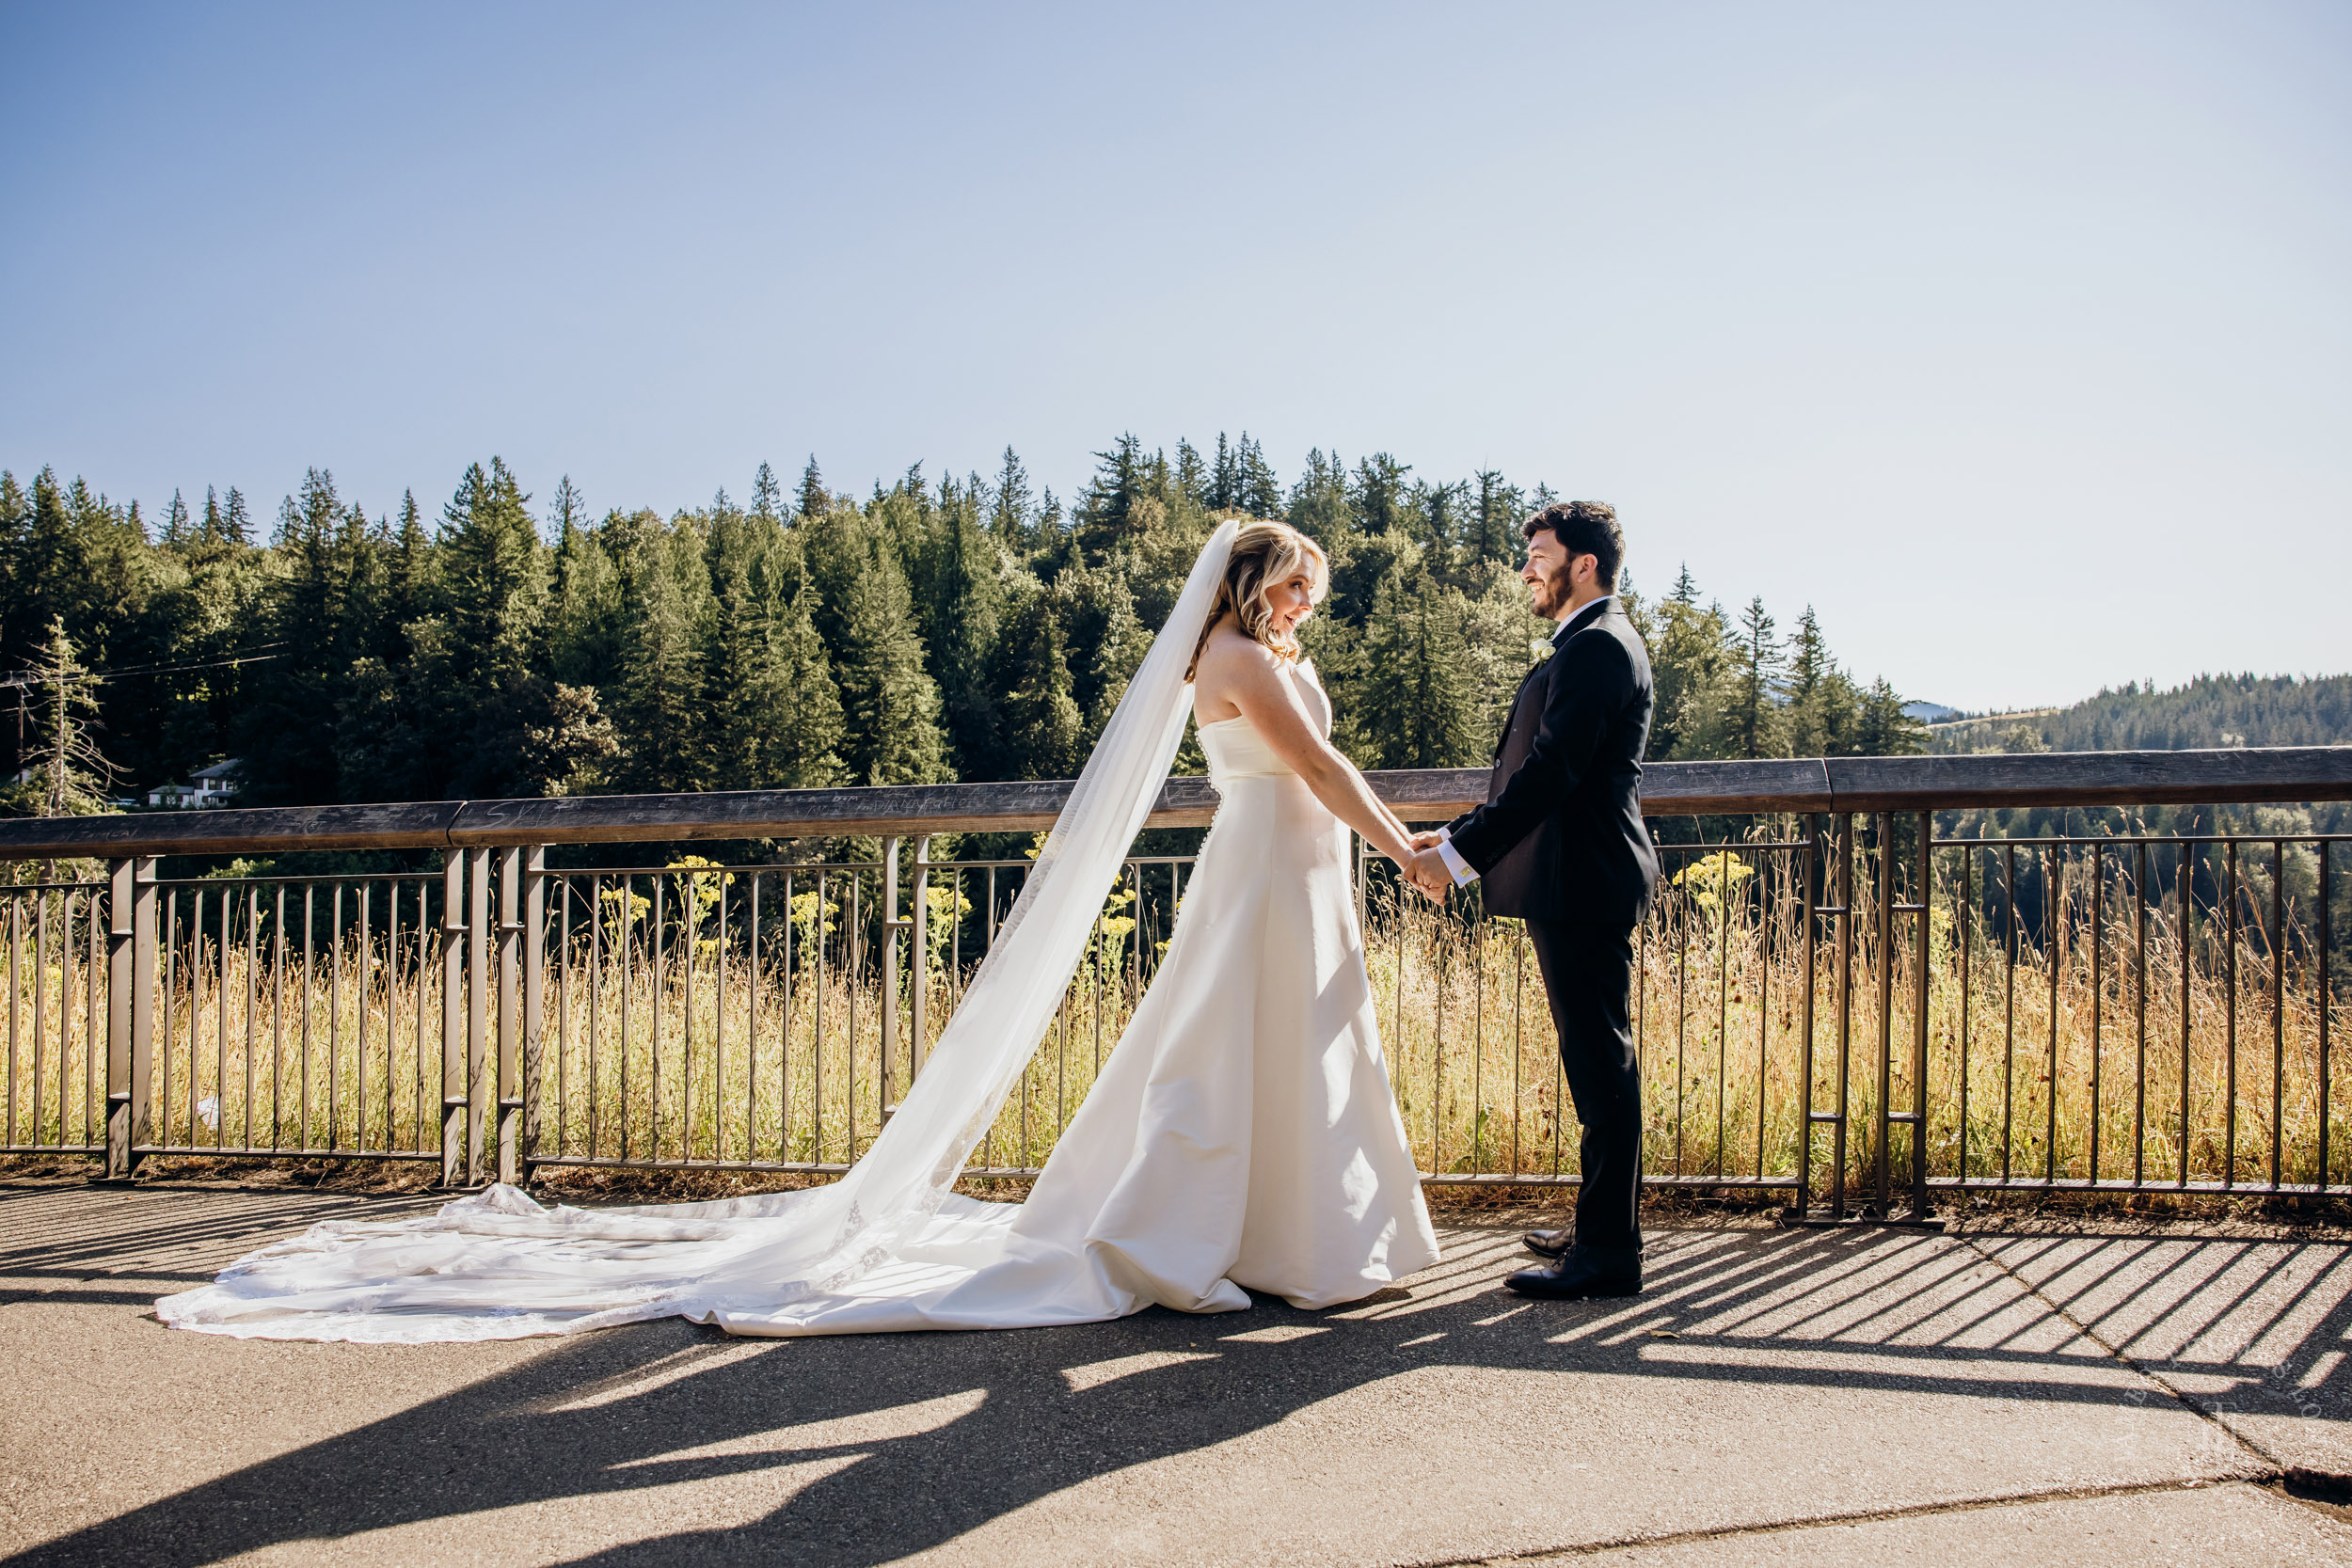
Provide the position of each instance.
(206, 788)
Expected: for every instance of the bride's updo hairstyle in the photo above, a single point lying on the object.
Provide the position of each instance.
(1264, 553)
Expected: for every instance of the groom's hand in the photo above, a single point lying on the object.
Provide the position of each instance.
(1427, 872)
(1428, 839)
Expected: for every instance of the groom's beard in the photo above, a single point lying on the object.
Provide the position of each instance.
(1549, 594)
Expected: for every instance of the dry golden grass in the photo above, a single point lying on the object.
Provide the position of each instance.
(2037, 1055)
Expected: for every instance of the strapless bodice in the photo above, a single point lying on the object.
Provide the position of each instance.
(1234, 747)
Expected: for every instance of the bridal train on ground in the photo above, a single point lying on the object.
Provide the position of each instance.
(1241, 1137)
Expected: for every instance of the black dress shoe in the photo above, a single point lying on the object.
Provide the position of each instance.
(1549, 1244)
(1582, 1271)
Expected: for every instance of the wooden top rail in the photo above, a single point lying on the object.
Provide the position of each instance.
(2286, 773)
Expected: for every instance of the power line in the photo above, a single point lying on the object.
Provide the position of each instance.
(99, 677)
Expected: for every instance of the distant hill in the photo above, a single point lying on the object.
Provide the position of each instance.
(1931, 713)
(2209, 712)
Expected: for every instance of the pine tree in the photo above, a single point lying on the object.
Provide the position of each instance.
(1756, 687)
(1416, 704)
(813, 500)
(1260, 494)
(1044, 731)
(1379, 496)
(1117, 505)
(811, 731)
(1008, 505)
(74, 774)
(1883, 729)
(661, 697)
(1223, 491)
(1318, 506)
(890, 702)
(568, 509)
(236, 527)
(1496, 513)
(176, 533)
(964, 636)
(767, 495)
(493, 575)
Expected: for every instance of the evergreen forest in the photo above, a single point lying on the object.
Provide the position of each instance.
(513, 642)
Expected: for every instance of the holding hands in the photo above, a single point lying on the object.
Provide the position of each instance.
(1426, 869)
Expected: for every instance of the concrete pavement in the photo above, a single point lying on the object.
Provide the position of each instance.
(1779, 1397)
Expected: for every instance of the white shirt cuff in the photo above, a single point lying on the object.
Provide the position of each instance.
(1463, 875)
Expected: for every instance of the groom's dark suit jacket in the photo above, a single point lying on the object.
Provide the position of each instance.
(1561, 835)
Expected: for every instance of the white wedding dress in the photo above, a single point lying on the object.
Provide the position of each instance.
(1242, 1136)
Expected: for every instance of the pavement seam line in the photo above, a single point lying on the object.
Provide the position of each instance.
(2278, 1468)
(1862, 1516)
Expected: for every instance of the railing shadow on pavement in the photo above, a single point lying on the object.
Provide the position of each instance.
(941, 1435)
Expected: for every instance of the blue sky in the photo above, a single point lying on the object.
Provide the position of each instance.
(2017, 340)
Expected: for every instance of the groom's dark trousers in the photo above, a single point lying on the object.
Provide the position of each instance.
(1560, 844)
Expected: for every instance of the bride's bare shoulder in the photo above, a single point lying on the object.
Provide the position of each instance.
(1230, 663)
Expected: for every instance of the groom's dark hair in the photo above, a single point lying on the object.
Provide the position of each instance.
(1583, 528)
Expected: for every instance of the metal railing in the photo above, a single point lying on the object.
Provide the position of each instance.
(1838, 1006)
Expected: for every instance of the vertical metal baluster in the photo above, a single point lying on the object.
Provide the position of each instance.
(366, 954)
(92, 1041)
(783, 1065)
(750, 1022)
(277, 1020)
(423, 964)
(657, 974)
(1682, 1013)
(2009, 1005)
(623, 945)
(2187, 895)
(853, 970)
(2139, 1007)
(719, 1043)
(1723, 999)
(1881, 1120)
(302, 1110)
(1519, 1080)
(690, 913)
(1926, 900)
(40, 1009)
(1478, 1044)
(1964, 923)
(165, 1035)
(596, 1009)
(1845, 1014)
(2276, 946)
(817, 1052)
(2230, 937)
(1765, 907)
(1810, 865)
(563, 1017)
(1641, 1018)
(220, 1024)
(41, 1014)
(2098, 994)
(2053, 924)
(65, 1005)
(2325, 934)
(392, 998)
(335, 1017)
(1437, 1048)
(988, 943)
(196, 1005)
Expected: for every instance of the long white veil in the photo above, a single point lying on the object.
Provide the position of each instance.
(498, 1265)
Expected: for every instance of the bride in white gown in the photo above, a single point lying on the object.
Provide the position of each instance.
(1242, 1136)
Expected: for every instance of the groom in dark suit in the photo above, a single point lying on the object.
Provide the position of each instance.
(1560, 844)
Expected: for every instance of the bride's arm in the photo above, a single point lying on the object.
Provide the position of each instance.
(1244, 672)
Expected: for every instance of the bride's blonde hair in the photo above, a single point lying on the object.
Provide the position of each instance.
(1264, 553)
